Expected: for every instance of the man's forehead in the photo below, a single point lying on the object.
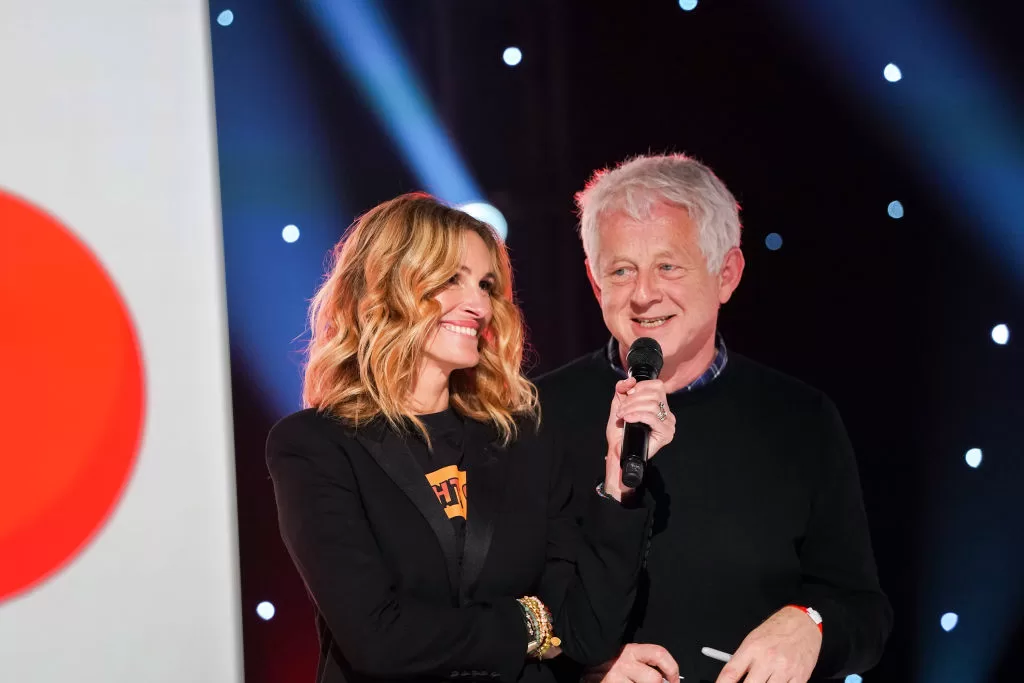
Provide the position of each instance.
(660, 234)
(644, 211)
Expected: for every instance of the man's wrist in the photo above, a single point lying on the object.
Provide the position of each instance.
(812, 614)
(614, 489)
(623, 496)
(610, 495)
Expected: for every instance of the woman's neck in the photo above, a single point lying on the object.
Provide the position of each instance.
(430, 393)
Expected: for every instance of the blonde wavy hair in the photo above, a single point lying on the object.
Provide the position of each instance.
(371, 320)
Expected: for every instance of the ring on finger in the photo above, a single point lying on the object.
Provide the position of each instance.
(662, 413)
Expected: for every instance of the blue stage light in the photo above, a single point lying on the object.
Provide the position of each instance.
(949, 621)
(266, 610)
(482, 211)
(512, 56)
(973, 457)
(358, 33)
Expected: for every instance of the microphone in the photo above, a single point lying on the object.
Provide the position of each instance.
(644, 361)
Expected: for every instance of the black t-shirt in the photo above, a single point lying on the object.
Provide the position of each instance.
(443, 467)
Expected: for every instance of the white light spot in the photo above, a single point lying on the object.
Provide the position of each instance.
(265, 610)
(290, 233)
(895, 209)
(948, 621)
(1001, 334)
(854, 678)
(773, 241)
(512, 55)
(973, 457)
(892, 73)
(687, 5)
(226, 17)
(482, 211)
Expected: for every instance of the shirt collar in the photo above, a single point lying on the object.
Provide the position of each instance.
(706, 377)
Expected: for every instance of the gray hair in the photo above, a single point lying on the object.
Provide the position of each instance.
(637, 185)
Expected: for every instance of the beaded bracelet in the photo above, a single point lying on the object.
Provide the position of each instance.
(536, 623)
(539, 624)
(532, 628)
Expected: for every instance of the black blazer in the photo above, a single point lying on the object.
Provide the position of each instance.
(378, 556)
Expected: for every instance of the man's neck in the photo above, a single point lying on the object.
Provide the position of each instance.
(680, 374)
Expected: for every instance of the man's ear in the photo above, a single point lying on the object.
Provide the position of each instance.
(730, 275)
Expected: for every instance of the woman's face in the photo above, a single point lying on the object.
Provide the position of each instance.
(465, 310)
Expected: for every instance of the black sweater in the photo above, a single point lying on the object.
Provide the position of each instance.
(758, 505)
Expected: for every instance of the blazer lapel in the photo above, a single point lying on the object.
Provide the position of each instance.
(485, 467)
(393, 456)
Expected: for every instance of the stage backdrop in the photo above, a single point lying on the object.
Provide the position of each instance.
(118, 543)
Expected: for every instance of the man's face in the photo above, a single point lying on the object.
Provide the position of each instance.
(652, 280)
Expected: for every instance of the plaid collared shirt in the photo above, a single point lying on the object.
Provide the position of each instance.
(706, 377)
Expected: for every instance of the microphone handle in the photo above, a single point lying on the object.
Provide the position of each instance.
(635, 435)
(633, 458)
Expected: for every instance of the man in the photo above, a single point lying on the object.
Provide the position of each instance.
(760, 544)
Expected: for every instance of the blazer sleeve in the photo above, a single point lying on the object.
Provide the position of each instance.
(329, 538)
(593, 564)
(839, 577)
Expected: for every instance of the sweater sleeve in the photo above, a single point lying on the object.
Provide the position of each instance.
(839, 577)
(593, 565)
(380, 632)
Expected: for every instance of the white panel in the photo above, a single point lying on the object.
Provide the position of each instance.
(106, 120)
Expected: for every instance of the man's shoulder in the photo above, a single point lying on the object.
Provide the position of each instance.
(765, 382)
(587, 369)
(577, 391)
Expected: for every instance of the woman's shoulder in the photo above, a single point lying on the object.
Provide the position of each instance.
(308, 427)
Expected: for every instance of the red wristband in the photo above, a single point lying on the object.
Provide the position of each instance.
(812, 613)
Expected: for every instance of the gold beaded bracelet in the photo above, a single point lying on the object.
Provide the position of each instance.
(542, 636)
(532, 629)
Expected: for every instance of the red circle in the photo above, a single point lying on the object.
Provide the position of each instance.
(72, 401)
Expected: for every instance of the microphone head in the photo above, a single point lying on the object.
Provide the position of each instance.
(646, 353)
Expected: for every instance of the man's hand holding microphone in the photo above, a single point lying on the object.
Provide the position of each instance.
(639, 422)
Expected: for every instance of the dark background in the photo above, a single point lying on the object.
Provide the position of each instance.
(786, 102)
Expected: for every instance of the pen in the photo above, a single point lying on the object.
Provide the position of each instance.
(716, 654)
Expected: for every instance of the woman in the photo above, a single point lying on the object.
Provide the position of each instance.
(415, 399)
